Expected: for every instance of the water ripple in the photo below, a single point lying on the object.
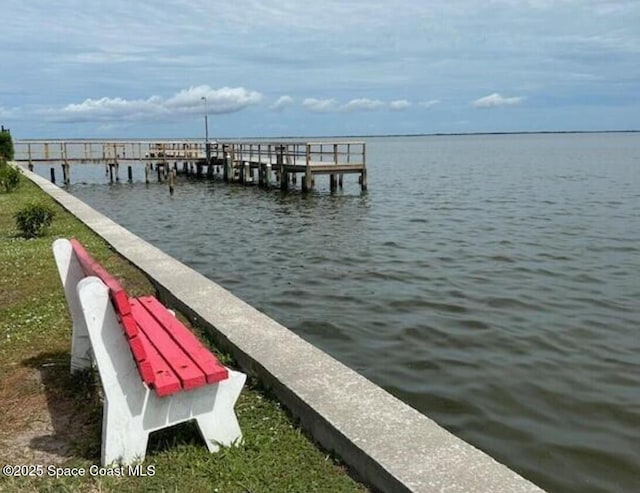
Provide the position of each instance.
(491, 283)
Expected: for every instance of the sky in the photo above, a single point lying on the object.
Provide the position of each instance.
(268, 68)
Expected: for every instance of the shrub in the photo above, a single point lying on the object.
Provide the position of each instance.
(34, 219)
(9, 177)
(6, 145)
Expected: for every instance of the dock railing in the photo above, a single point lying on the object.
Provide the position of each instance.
(239, 158)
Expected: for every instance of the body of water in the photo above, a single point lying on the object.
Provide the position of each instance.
(490, 281)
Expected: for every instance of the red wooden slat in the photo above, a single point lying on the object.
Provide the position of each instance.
(206, 361)
(187, 371)
(139, 352)
(129, 324)
(165, 381)
(93, 268)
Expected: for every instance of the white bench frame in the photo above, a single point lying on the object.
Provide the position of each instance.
(131, 409)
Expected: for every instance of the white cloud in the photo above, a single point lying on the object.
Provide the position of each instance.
(399, 104)
(282, 103)
(224, 100)
(362, 104)
(429, 104)
(495, 100)
(320, 105)
(188, 101)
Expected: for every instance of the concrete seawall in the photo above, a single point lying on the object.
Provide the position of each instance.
(389, 444)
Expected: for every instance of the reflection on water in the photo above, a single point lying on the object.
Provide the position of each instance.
(489, 281)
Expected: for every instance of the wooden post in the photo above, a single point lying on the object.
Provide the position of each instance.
(267, 175)
(333, 182)
(247, 173)
(29, 151)
(284, 181)
(110, 172)
(65, 173)
(53, 175)
(147, 170)
(307, 183)
(172, 178)
(363, 176)
(228, 166)
(130, 173)
(159, 171)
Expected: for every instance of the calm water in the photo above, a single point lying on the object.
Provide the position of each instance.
(492, 282)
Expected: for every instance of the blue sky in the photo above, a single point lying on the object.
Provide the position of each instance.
(139, 68)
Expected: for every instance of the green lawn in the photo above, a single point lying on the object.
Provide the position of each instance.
(51, 419)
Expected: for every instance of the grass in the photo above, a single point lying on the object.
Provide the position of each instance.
(52, 419)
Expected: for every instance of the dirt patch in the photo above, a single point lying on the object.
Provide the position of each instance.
(42, 424)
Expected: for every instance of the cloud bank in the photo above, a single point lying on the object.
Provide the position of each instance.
(186, 102)
(495, 100)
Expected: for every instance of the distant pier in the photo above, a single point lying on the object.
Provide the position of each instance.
(262, 163)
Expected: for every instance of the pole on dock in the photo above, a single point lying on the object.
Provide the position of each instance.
(267, 175)
(228, 166)
(65, 173)
(172, 179)
(333, 182)
(307, 181)
(110, 172)
(284, 181)
(30, 162)
(53, 175)
(147, 170)
(247, 172)
(130, 173)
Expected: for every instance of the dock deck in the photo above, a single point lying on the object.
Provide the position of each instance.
(238, 161)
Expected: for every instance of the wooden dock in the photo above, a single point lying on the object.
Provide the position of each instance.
(259, 162)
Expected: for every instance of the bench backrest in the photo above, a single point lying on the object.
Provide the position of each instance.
(122, 306)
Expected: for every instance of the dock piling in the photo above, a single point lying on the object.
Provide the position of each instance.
(65, 174)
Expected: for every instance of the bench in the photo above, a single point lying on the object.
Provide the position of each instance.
(154, 371)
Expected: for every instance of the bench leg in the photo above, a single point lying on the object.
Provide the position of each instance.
(220, 426)
(121, 442)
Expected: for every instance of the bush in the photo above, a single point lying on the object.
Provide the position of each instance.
(9, 177)
(6, 145)
(34, 219)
